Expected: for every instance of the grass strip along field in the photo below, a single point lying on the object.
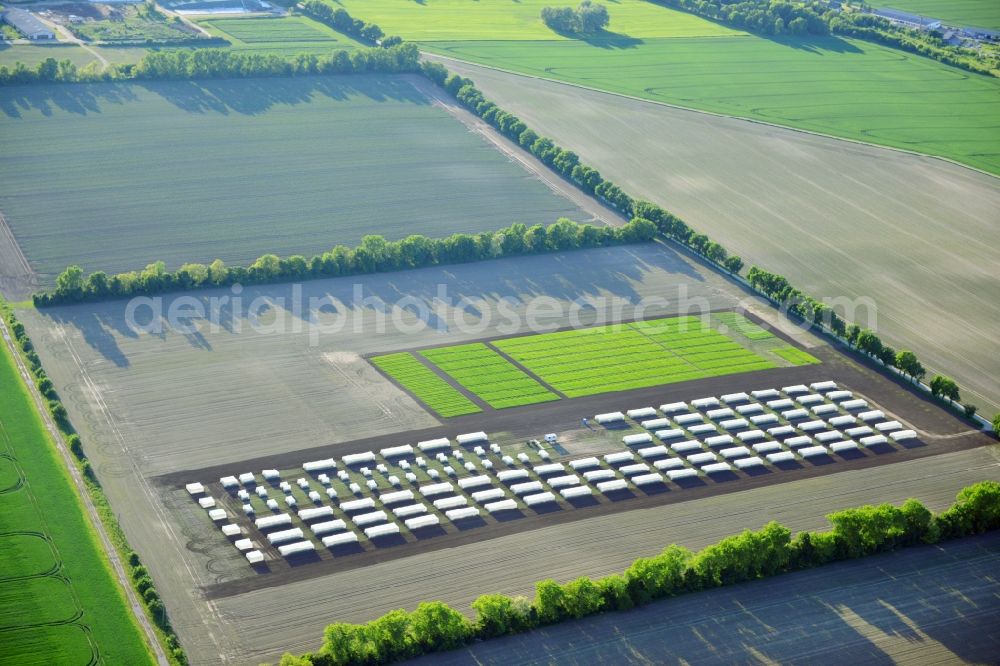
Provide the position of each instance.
(490, 376)
(51, 570)
(846, 88)
(618, 358)
(734, 321)
(796, 356)
(421, 381)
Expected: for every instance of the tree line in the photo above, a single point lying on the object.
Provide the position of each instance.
(864, 340)
(586, 19)
(340, 20)
(769, 17)
(752, 555)
(140, 578)
(568, 164)
(182, 64)
(373, 255)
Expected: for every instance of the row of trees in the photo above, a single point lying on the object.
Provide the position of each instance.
(374, 254)
(864, 340)
(185, 64)
(340, 20)
(778, 17)
(140, 576)
(588, 18)
(568, 164)
(752, 555)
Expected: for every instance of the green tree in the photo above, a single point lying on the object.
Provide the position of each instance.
(996, 425)
(945, 387)
(70, 282)
(499, 615)
(908, 363)
(548, 602)
(434, 626)
(582, 597)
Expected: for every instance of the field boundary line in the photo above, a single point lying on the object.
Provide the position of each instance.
(469, 395)
(84, 495)
(507, 357)
(671, 105)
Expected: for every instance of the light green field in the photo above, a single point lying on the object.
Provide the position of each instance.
(190, 171)
(972, 13)
(66, 582)
(796, 356)
(433, 20)
(421, 381)
(484, 372)
(739, 324)
(608, 358)
(287, 36)
(844, 88)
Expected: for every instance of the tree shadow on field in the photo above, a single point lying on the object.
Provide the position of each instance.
(841, 612)
(815, 44)
(604, 39)
(223, 96)
(255, 96)
(79, 100)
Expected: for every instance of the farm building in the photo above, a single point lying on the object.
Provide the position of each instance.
(27, 24)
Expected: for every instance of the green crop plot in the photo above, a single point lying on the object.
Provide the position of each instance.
(736, 322)
(185, 159)
(65, 579)
(972, 13)
(796, 356)
(421, 381)
(286, 36)
(617, 358)
(489, 375)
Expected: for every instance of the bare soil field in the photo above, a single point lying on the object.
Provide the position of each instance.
(155, 403)
(867, 225)
(935, 604)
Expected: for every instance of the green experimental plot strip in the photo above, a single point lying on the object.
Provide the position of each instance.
(603, 359)
(740, 324)
(796, 356)
(490, 376)
(421, 381)
(59, 603)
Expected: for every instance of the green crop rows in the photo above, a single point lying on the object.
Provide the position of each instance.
(59, 603)
(490, 376)
(796, 356)
(609, 358)
(421, 381)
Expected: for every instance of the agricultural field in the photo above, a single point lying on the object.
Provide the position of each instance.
(490, 376)
(603, 359)
(184, 201)
(845, 88)
(425, 385)
(932, 604)
(831, 203)
(971, 13)
(59, 603)
(285, 36)
(125, 24)
(311, 387)
(440, 20)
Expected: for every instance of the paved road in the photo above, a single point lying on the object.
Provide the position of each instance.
(116, 563)
(930, 605)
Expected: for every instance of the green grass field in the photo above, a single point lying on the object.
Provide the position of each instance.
(286, 36)
(190, 171)
(51, 569)
(737, 323)
(517, 20)
(486, 373)
(421, 381)
(973, 13)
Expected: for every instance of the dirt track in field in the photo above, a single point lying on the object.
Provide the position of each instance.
(929, 605)
(916, 235)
